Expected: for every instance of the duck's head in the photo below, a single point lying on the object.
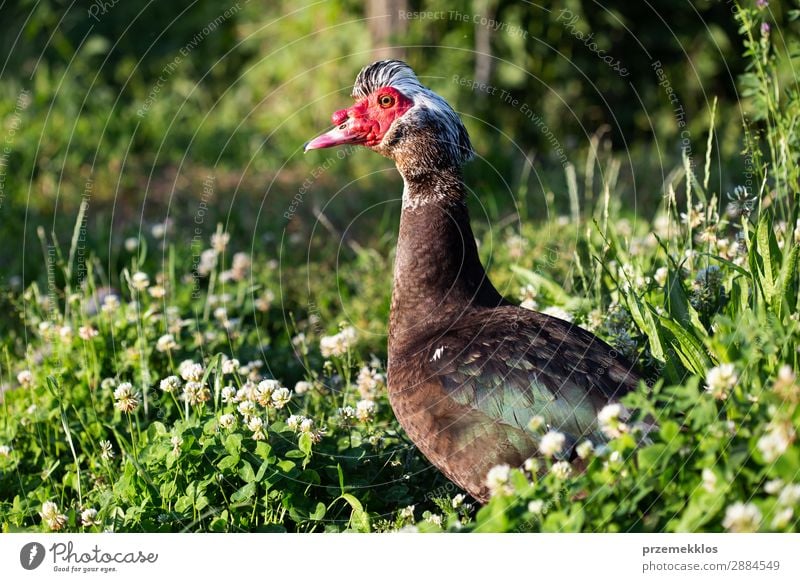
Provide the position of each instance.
(398, 117)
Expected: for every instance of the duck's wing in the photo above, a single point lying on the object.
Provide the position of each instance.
(510, 365)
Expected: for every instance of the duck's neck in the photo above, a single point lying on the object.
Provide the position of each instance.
(438, 275)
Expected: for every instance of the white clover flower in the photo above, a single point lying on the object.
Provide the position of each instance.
(528, 293)
(190, 370)
(208, 260)
(302, 387)
(49, 510)
(337, 345)
(368, 382)
(531, 465)
(158, 230)
(247, 392)
(293, 422)
(50, 515)
(264, 301)
(227, 421)
(228, 394)
(709, 480)
(110, 304)
(247, 409)
(329, 346)
(785, 384)
(435, 519)
(220, 240)
(720, 380)
(707, 236)
(536, 507)
(140, 281)
(407, 512)
(782, 518)
(89, 517)
(240, 266)
(256, 426)
(126, 399)
(536, 422)
(87, 332)
(458, 500)
(773, 487)
(170, 384)
(786, 375)
(552, 443)
(693, 217)
(176, 442)
(131, 244)
(230, 366)
(220, 314)
(790, 495)
(611, 418)
(585, 449)
(106, 450)
(281, 397)
(660, 276)
(307, 425)
(561, 469)
(497, 480)
(265, 390)
(25, 378)
(365, 410)
(347, 413)
(5, 451)
(157, 292)
(742, 517)
(516, 245)
(775, 441)
(65, 332)
(166, 343)
(196, 393)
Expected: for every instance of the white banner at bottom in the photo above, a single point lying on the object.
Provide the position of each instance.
(401, 557)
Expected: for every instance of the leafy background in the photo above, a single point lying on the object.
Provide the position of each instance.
(133, 134)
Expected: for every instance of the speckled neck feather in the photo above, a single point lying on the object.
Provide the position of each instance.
(438, 273)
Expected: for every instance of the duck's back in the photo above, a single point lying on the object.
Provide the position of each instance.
(466, 392)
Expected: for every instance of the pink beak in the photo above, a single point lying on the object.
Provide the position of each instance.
(340, 135)
(348, 130)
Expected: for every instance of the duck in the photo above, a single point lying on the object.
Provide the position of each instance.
(475, 380)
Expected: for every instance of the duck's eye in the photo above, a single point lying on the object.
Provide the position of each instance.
(385, 101)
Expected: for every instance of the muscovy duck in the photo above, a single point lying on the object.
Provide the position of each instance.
(467, 369)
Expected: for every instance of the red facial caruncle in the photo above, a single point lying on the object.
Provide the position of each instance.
(366, 122)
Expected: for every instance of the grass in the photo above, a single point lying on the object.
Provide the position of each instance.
(220, 389)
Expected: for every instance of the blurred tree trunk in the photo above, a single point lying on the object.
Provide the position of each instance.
(386, 27)
(483, 42)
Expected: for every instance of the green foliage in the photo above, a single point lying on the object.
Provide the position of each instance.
(135, 105)
(164, 406)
